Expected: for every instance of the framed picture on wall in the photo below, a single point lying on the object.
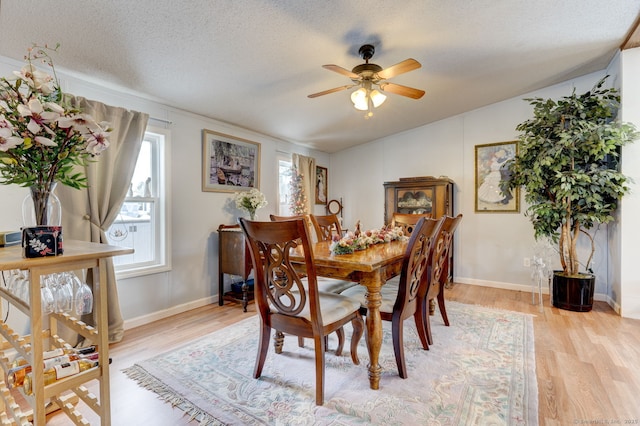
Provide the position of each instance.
(492, 194)
(229, 164)
(321, 185)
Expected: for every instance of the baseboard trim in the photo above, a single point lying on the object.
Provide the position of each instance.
(527, 288)
(498, 284)
(174, 310)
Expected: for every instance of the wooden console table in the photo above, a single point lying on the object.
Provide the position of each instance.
(77, 255)
(233, 259)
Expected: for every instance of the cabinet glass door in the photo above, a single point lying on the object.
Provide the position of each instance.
(414, 201)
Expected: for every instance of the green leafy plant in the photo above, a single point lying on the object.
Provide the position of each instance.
(567, 163)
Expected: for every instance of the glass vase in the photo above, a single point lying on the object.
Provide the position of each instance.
(41, 207)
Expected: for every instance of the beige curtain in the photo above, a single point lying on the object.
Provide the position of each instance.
(306, 166)
(89, 212)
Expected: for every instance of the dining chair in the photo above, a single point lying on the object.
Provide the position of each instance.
(274, 217)
(407, 221)
(326, 226)
(439, 270)
(402, 301)
(290, 303)
(326, 284)
(332, 285)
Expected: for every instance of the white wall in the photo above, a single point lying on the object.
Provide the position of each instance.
(490, 247)
(195, 215)
(627, 284)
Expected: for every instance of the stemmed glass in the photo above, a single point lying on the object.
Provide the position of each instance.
(83, 297)
(9, 279)
(62, 293)
(21, 285)
(48, 301)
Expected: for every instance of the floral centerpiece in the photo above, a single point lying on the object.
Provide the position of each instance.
(43, 138)
(250, 201)
(357, 240)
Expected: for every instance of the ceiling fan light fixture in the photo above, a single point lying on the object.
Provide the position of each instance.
(365, 99)
(377, 98)
(359, 99)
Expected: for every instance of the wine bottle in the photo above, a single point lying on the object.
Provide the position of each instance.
(55, 353)
(16, 376)
(67, 351)
(59, 372)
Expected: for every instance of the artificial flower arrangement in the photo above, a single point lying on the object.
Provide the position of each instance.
(42, 138)
(250, 201)
(357, 240)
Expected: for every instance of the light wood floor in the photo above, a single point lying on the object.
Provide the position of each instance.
(588, 364)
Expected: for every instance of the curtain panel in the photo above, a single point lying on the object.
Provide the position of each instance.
(306, 166)
(89, 212)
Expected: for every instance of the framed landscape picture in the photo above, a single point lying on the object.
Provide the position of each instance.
(229, 164)
(492, 194)
(321, 185)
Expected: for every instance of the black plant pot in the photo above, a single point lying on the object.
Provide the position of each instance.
(573, 293)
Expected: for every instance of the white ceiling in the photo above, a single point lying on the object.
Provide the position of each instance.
(252, 63)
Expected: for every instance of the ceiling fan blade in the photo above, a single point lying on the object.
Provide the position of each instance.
(340, 70)
(335, 89)
(399, 89)
(399, 68)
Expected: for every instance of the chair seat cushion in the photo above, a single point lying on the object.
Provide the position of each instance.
(330, 285)
(333, 306)
(334, 285)
(389, 292)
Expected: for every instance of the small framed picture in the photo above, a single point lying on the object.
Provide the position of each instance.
(229, 164)
(321, 185)
(492, 177)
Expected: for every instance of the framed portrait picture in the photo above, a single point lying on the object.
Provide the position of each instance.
(492, 194)
(321, 185)
(229, 164)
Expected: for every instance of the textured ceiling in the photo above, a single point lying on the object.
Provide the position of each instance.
(252, 63)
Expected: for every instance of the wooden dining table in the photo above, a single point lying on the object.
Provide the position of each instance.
(371, 268)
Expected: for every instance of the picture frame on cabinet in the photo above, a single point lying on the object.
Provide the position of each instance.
(229, 163)
(491, 192)
(321, 185)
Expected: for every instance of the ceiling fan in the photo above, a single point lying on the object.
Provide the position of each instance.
(369, 76)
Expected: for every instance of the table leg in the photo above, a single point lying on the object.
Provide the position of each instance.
(220, 287)
(245, 295)
(373, 326)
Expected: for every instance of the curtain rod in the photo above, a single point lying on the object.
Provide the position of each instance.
(160, 120)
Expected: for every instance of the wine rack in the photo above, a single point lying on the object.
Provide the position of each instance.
(63, 394)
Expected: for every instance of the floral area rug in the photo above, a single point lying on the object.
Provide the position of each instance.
(479, 371)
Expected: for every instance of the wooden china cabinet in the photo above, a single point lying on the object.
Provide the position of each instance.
(419, 195)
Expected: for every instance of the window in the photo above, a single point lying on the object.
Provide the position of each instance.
(142, 221)
(284, 187)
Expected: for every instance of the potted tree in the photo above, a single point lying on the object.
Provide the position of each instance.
(567, 163)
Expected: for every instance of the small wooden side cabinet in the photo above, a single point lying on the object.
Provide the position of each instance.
(233, 259)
